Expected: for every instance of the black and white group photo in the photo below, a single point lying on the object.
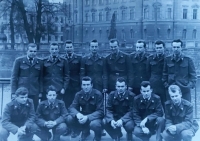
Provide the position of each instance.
(99, 70)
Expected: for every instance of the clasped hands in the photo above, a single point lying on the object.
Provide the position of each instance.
(115, 124)
(81, 118)
(144, 128)
(50, 124)
(172, 129)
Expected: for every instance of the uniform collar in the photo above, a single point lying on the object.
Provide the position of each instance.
(50, 58)
(17, 104)
(69, 57)
(180, 57)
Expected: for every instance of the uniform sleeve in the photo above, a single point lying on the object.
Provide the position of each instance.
(148, 67)
(98, 114)
(73, 109)
(109, 108)
(136, 114)
(39, 119)
(31, 116)
(168, 118)
(66, 74)
(129, 71)
(63, 114)
(165, 74)
(6, 121)
(192, 73)
(82, 68)
(105, 75)
(15, 75)
(187, 122)
(41, 76)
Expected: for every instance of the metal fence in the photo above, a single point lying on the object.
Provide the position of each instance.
(5, 95)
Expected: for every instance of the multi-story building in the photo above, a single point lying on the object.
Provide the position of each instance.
(137, 19)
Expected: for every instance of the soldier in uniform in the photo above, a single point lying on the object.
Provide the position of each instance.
(138, 66)
(180, 70)
(74, 61)
(179, 117)
(27, 72)
(155, 65)
(117, 65)
(51, 114)
(119, 104)
(86, 111)
(19, 117)
(55, 71)
(148, 115)
(93, 66)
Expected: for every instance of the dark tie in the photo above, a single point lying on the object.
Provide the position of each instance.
(31, 60)
(51, 106)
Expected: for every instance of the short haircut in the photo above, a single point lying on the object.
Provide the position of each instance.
(158, 42)
(93, 41)
(178, 41)
(142, 41)
(114, 40)
(51, 88)
(121, 79)
(86, 78)
(145, 84)
(54, 44)
(21, 91)
(174, 88)
(32, 45)
(68, 42)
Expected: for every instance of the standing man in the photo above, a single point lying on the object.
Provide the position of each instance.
(27, 72)
(155, 65)
(179, 117)
(56, 71)
(148, 114)
(51, 114)
(117, 65)
(119, 104)
(139, 66)
(86, 111)
(180, 70)
(93, 66)
(19, 117)
(74, 61)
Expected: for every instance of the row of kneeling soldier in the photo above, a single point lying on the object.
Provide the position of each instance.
(142, 116)
(65, 71)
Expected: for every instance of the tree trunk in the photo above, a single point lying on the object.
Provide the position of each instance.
(12, 25)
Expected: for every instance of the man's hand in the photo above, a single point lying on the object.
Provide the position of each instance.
(119, 123)
(83, 120)
(21, 130)
(143, 122)
(79, 116)
(113, 124)
(172, 129)
(130, 89)
(62, 91)
(40, 95)
(50, 124)
(145, 130)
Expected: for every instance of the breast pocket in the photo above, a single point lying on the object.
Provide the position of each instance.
(121, 64)
(183, 69)
(60, 66)
(171, 68)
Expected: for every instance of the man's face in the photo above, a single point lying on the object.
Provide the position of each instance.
(140, 47)
(51, 96)
(69, 48)
(120, 87)
(146, 91)
(159, 48)
(31, 52)
(94, 47)
(86, 86)
(176, 48)
(54, 50)
(175, 97)
(114, 47)
(22, 99)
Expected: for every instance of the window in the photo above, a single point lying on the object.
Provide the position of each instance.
(184, 34)
(123, 15)
(194, 34)
(115, 1)
(194, 13)
(184, 13)
(62, 28)
(132, 14)
(93, 17)
(56, 38)
(75, 3)
(169, 13)
(87, 2)
(158, 13)
(100, 1)
(145, 33)
(146, 13)
(49, 38)
(56, 19)
(131, 34)
(123, 34)
(158, 32)
(116, 15)
(107, 1)
(107, 16)
(86, 17)
(76, 17)
(168, 33)
(61, 38)
(100, 16)
(93, 2)
(56, 29)
(43, 37)
(61, 20)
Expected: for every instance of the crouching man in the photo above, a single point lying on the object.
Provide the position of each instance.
(51, 114)
(179, 117)
(86, 111)
(19, 117)
(119, 104)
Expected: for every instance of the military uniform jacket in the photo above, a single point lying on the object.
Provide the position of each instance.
(16, 115)
(181, 72)
(150, 109)
(56, 73)
(182, 116)
(118, 67)
(25, 74)
(138, 69)
(45, 113)
(91, 105)
(119, 107)
(74, 69)
(95, 68)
